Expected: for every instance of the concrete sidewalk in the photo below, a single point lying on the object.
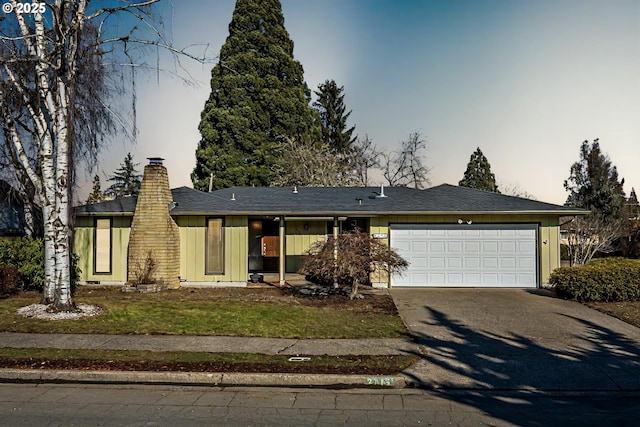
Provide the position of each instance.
(289, 347)
(212, 344)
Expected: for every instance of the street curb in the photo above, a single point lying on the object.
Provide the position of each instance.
(203, 378)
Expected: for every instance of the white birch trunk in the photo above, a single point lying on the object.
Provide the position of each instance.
(61, 223)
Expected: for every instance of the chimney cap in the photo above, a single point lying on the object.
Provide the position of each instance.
(155, 160)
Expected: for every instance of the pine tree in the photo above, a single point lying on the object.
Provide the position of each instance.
(632, 206)
(126, 179)
(593, 183)
(97, 195)
(478, 174)
(334, 116)
(258, 96)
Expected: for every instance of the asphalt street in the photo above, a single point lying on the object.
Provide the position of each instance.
(146, 405)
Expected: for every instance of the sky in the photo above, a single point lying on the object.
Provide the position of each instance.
(525, 80)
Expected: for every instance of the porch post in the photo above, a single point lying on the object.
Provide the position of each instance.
(282, 256)
(336, 231)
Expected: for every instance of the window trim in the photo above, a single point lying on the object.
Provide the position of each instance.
(207, 270)
(95, 246)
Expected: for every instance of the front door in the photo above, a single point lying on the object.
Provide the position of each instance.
(264, 246)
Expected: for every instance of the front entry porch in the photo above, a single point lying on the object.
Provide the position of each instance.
(277, 244)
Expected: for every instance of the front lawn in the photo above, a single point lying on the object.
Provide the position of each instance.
(267, 312)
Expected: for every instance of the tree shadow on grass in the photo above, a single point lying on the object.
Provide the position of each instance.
(489, 366)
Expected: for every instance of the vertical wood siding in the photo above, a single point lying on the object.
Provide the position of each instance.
(84, 234)
(192, 249)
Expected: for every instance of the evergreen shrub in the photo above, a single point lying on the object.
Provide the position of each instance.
(9, 280)
(27, 256)
(606, 280)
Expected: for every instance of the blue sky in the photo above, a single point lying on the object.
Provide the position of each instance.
(526, 81)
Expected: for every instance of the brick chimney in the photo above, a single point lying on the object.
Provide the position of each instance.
(154, 230)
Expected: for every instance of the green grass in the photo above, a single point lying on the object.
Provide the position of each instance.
(178, 313)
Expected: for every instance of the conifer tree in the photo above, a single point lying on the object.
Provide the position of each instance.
(478, 174)
(97, 195)
(334, 116)
(258, 96)
(593, 183)
(126, 179)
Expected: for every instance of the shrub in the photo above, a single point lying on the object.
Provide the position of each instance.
(27, 256)
(358, 255)
(144, 270)
(606, 279)
(9, 280)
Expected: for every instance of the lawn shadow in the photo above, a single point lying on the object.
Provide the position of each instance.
(488, 365)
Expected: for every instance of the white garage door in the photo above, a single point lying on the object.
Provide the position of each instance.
(466, 255)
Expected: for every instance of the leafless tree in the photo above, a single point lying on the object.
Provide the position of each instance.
(515, 191)
(592, 234)
(61, 65)
(312, 164)
(366, 157)
(350, 258)
(406, 167)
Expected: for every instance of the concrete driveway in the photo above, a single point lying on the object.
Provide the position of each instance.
(517, 339)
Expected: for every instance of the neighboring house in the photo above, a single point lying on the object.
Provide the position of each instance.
(11, 212)
(452, 236)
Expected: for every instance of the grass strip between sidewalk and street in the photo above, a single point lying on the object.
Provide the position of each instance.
(129, 360)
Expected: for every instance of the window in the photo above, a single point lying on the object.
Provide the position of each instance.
(214, 261)
(102, 254)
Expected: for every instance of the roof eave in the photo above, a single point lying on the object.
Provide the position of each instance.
(103, 213)
(376, 213)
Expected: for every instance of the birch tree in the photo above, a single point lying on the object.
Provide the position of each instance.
(61, 63)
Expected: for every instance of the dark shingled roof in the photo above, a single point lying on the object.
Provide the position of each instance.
(353, 201)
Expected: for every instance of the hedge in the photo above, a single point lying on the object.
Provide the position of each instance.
(27, 256)
(607, 279)
(9, 280)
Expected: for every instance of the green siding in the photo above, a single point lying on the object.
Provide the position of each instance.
(300, 236)
(84, 233)
(192, 249)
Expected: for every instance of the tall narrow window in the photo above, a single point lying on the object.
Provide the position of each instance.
(215, 246)
(102, 255)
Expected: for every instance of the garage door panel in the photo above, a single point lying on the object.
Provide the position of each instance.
(498, 255)
(437, 247)
(437, 262)
(472, 247)
(472, 263)
(490, 246)
(455, 278)
(454, 246)
(454, 263)
(508, 263)
(419, 247)
(420, 262)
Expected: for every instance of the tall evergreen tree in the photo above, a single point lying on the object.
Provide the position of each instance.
(126, 179)
(97, 195)
(593, 183)
(478, 174)
(334, 116)
(258, 96)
